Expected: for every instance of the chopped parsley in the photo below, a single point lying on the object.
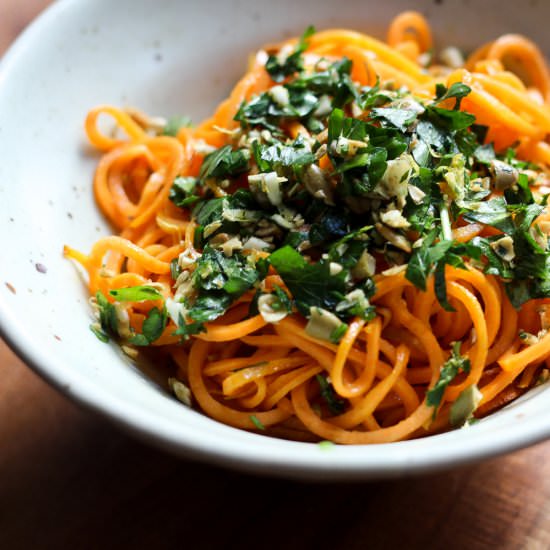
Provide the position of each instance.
(136, 294)
(449, 370)
(310, 284)
(279, 69)
(335, 404)
(323, 184)
(254, 419)
(224, 162)
(153, 327)
(395, 182)
(183, 192)
(108, 321)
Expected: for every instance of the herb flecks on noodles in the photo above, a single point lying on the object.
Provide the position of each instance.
(354, 212)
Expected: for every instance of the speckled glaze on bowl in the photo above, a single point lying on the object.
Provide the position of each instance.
(174, 57)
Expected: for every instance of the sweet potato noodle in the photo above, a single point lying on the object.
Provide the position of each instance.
(297, 279)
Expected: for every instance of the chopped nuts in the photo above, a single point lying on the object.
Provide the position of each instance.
(254, 243)
(394, 270)
(416, 194)
(231, 245)
(452, 57)
(394, 218)
(181, 391)
(211, 228)
(321, 323)
(356, 296)
(157, 124)
(123, 321)
(322, 137)
(130, 351)
(465, 405)
(394, 238)
(269, 184)
(335, 268)
(393, 183)
(266, 228)
(325, 106)
(201, 147)
(544, 312)
(365, 266)
(270, 315)
(227, 245)
(318, 184)
(528, 339)
(504, 175)
(348, 147)
(184, 286)
(188, 258)
(280, 95)
(176, 310)
(504, 247)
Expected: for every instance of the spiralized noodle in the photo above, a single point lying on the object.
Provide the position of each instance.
(251, 374)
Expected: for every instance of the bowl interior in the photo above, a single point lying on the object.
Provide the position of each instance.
(177, 58)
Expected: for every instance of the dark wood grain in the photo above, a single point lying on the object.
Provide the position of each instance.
(70, 480)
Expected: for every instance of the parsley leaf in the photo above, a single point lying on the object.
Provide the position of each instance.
(136, 294)
(215, 271)
(448, 372)
(451, 120)
(256, 421)
(185, 330)
(362, 171)
(493, 212)
(335, 404)
(279, 157)
(484, 153)
(175, 269)
(100, 334)
(279, 70)
(107, 314)
(309, 284)
(400, 118)
(183, 191)
(282, 301)
(210, 306)
(373, 97)
(265, 112)
(224, 162)
(432, 258)
(458, 90)
(152, 328)
(337, 334)
(335, 82)
(424, 258)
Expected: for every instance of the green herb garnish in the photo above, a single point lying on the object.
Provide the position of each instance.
(174, 124)
(334, 403)
(451, 368)
(254, 419)
(136, 294)
(279, 69)
(152, 328)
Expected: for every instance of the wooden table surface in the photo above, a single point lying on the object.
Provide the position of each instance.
(71, 480)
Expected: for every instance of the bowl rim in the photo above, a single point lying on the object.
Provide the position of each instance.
(344, 463)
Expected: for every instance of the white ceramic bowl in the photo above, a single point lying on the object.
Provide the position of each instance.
(175, 57)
